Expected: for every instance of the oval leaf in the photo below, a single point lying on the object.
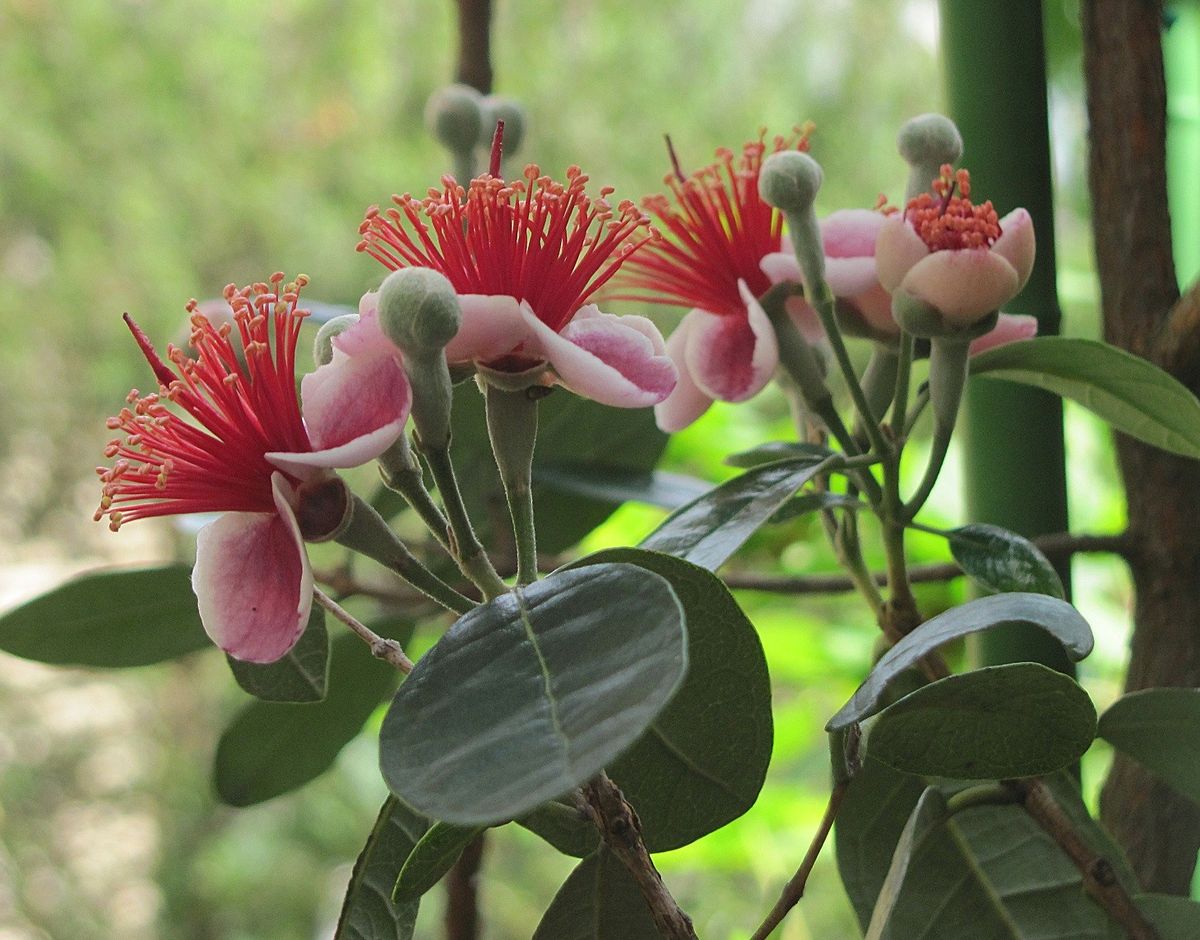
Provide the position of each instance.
(300, 676)
(773, 451)
(618, 485)
(272, 748)
(431, 858)
(1133, 395)
(1001, 561)
(1160, 729)
(564, 827)
(368, 913)
(702, 762)
(708, 530)
(1058, 618)
(1016, 720)
(531, 694)
(1173, 917)
(598, 901)
(123, 617)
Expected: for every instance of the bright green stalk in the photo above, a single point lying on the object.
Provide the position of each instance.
(1181, 60)
(996, 91)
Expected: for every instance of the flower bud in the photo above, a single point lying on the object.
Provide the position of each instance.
(454, 116)
(323, 344)
(418, 310)
(496, 108)
(926, 142)
(789, 181)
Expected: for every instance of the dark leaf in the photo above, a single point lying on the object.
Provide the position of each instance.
(300, 676)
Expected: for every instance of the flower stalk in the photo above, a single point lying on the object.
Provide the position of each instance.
(512, 429)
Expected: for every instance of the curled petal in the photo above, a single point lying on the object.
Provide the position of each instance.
(252, 580)
(686, 402)
(851, 233)
(365, 336)
(600, 357)
(897, 249)
(849, 277)
(781, 266)
(1017, 244)
(962, 285)
(731, 358)
(1009, 328)
(492, 327)
(807, 321)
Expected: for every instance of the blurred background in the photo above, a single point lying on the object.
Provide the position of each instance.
(155, 151)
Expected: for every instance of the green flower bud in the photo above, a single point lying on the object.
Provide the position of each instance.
(454, 115)
(926, 142)
(925, 321)
(789, 181)
(323, 344)
(418, 310)
(496, 108)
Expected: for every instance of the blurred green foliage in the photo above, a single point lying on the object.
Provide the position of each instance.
(156, 151)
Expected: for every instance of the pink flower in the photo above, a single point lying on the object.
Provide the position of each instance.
(525, 257)
(248, 454)
(1009, 329)
(721, 233)
(958, 261)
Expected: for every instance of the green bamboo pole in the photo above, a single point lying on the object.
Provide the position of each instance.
(1181, 61)
(995, 77)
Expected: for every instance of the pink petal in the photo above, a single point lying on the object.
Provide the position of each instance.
(1009, 329)
(851, 233)
(731, 358)
(365, 336)
(253, 582)
(1017, 244)
(686, 402)
(849, 277)
(781, 266)
(492, 326)
(807, 321)
(601, 358)
(897, 249)
(962, 285)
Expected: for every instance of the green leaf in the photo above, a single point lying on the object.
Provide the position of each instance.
(271, 748)
(1058, 618)
(564, 827)
(1001, 561)
(618, 485)
(531, 694)
(572, 430)
(368, 912)
(598, 901)
(119, 617)
(300, 676)
(774, 451)
(431, 858)
(815, 502)
(929, 815)
(1160, 729)
(1174, 918)
(702, 762)
(710, 529)
(1133, 395)
(1015, 720)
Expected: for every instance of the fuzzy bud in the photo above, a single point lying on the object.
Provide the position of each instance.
(789, 181)
(454, 115)
(496, 108)
(926, 142)
(418, 310)
(323, 344)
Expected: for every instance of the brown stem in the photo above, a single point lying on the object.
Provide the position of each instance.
(1099, 879)
(389, 651)
(1126, 92)
(474, 44)
(621, 830)
(462, 893)
(793, 891)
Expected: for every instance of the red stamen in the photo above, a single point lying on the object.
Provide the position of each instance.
(242, 409)
(674, 159)
(947, 222)
(497, 150)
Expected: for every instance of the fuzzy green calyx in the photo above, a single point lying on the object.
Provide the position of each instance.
(418, 310)
(454, 115)
(497, 108)
(789, 181)
(927, 142)
(323, 344)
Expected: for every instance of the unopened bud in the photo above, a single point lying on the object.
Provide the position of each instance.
(496, 108)
(323, 344)
(926, 143)
(454, 116)
(418, 310)
(789, 181)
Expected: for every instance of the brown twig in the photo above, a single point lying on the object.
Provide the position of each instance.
(381, 647)
(1099, 879)
(461, 919)
(621, 830)
(793, 891)
(474, 44)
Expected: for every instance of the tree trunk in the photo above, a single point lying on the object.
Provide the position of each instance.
(1142, 313)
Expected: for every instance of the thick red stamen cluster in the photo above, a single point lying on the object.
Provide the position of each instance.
(533, 239)
(950, 222)
(722, 230)
(244, 407)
